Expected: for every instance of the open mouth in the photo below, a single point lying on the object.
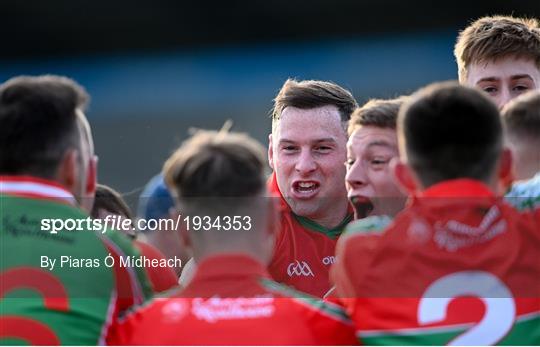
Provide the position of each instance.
(362, 206)
(305, 189)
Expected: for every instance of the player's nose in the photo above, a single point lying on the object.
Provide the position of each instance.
(504, 97)
(356, 176)
(305, 163)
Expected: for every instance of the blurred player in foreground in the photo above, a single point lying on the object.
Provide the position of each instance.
(458, 265)
(55, 288)
(155, 202)
(231, 299)
(108, 202)
(307, 149)
(501, 56)
(521, 118)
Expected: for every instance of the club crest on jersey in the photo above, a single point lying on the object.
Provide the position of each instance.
(299, 268)
(454, 235)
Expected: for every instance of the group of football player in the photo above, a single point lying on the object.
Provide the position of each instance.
(413, 220)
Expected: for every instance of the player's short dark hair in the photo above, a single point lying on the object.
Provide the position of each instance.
(521, 117)
(450, 131)
(381, 113)
(214, 166)
(38, 123)
(312, 94)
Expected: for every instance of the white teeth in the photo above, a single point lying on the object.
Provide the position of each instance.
(306, 185)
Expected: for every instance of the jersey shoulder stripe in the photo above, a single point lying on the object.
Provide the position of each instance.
(327, 308)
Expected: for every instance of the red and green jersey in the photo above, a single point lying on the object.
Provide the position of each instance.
(73, 302)
(232, 301)
(304, 250)
(161, 278)
(457, 266)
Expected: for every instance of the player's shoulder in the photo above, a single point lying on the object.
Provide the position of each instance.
(154, 307)
(310, 303)
(362, 235)
(366, 238)
(525, 195)
(368, 225)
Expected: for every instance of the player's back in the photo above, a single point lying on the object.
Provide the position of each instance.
(231, 301)
(71, 301)
(454, 269)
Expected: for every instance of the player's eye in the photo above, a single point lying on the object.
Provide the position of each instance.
(490, 90)
(349, 162)
(378, 162)
(323, 149)
(289, 148)
(520, 88)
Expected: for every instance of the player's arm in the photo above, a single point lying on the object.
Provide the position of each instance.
(161, 278)
(132, 284)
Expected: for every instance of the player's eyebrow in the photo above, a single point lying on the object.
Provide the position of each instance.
(513, 77)
(325, 139)
(381, 143)
(488, 79)
(517, 77)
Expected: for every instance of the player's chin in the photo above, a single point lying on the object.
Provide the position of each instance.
(305, 208)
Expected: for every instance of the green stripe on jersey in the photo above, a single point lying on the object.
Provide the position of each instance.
(526, 331)
(372, 224)
(314, 303)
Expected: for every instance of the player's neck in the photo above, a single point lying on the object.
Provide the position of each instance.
(334, 217)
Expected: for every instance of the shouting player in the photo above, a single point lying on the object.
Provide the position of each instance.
(371, 149)
(307, 149)
(501, 56)
(54, 285)
(230, 300)
(521, 117)
(458, 265)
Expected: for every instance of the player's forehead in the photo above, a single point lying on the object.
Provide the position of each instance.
(504, 68)
(371, 137)
(310, 125)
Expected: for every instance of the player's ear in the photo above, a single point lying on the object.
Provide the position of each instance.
(270, 152)
(91, 180)
(404, 177)
(68, 171)
(182, 231)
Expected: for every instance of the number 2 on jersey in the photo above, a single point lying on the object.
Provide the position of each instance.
(500, 308)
